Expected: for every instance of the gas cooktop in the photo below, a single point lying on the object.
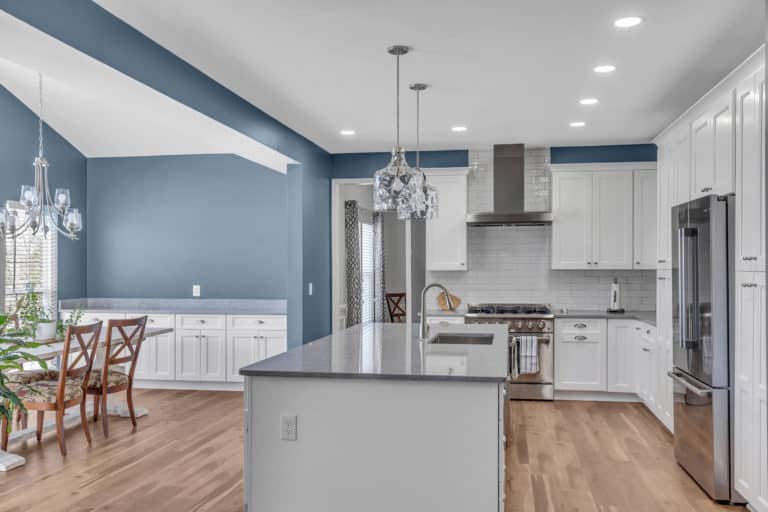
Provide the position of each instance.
(510, 310)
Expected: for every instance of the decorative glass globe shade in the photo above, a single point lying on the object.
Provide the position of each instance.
(392, 182)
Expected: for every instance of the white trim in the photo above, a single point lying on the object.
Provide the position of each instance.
(750, 65)
(188, 386)
(446, 171)
(605, 166)
(597, 396)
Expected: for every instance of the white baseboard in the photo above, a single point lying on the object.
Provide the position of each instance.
(596, 396)
(190, 386)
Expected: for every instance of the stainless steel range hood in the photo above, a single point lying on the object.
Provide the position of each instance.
(508, 192)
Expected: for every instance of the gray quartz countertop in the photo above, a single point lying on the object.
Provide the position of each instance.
(392, 351)
(648, 317)
(181, 306)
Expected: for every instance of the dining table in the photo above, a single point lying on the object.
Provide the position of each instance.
(50, 351)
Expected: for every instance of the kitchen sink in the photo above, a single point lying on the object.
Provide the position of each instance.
(458, 338)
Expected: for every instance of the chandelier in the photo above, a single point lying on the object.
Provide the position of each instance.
(37, 210)
(399, 187)
(423, 202)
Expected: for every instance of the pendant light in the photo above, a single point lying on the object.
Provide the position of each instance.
(391, 184)
(422, 204)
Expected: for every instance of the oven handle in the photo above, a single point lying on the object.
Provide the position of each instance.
(514, 370)
(546, 339)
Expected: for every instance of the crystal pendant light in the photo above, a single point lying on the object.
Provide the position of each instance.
(422, 197)
(36, 206)
(391, 184)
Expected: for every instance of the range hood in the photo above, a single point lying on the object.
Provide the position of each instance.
(508, 192)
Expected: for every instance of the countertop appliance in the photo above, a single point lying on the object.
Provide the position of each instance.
(523, 320)
(614, 305)
(703, 337)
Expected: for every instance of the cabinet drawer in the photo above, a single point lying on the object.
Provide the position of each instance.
(96, 316)
(581, 337)
(157, 321)
(250, 322)
(568, 326)
(200, 322)
(445, 320)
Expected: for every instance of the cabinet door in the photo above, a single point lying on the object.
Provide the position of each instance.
(664, 305)
(612, 213)
(620, 346)
(666, 388)
(580, 357)
(750, 173)
(145, 362)
(188, 355)
(213, 363)
(745, 418)
(651, 366)
(163, 356)
(642, 365)
(243, 348)
(681, 167)
(664, 209)
(712, 149)
(572, 220)
(761, 398)
(702, 155)
(275, 343)
(447, 233)
(645, 190)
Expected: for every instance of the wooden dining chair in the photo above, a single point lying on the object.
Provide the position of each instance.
(122, 348)
(396, 307)
(58, 390)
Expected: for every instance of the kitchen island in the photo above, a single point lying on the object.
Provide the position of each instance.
(371, 418)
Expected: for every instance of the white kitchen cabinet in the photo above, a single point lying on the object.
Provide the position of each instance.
(664, 305)
(750, 394)
(712, 144)
(446, 237)
(612, 212)
(580, 354)
(592, 220)
(213, 356)
(750, 174)
(645, 224)
(644, 350)
(664, 389)
(664, 176)
(157, 357)
(188, 355)
(621, 356)
(247, 347)
(445, 320)
(572, 220)
(680, 155)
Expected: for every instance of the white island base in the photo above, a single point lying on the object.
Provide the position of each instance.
(374, 444)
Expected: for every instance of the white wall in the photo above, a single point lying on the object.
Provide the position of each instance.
(394, 253)
(513, 263)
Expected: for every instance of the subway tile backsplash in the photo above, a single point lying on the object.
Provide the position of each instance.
(513, 263)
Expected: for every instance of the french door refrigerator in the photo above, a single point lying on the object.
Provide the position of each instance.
(703, 337)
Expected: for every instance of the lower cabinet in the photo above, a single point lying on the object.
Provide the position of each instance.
(246, 347)
(157, 357)
(620, 353)
(580, 354)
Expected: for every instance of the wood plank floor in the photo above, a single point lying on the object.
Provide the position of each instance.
(561, 457)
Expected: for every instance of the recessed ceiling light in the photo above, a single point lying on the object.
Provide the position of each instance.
(578, 124)
(588, 101)
(347, 132)
(458, 128)
(629, 21)
(605, 68)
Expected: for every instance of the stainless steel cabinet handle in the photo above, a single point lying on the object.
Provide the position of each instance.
(646, 349)
(687, 385)
(661, 261)
(261, 321)
(661, 278)
(580, 338)
(202, 321)
(648, 332)
(707, 189)
(637, 263)
(580, 325)
(749, 258)
(749, 285)
(589, 263)
(638, 328)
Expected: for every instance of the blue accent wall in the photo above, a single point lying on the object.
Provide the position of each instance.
(159, 224)
(363, 165)
(597, 154)
(18, 148)
(87, 27)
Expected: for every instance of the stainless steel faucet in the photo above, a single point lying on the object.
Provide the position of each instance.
(423, 327)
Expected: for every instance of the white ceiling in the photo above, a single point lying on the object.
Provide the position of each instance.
(512, 71)
(105, 113)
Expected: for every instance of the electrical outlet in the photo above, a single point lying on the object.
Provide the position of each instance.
(289, 428)
(309, 289)
(195, 290)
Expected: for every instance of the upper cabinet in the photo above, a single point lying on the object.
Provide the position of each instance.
(645, 220)
(594, 220)
(664, 176)
(680, 166)
(712, 137)
(447, 233)
(750, 174)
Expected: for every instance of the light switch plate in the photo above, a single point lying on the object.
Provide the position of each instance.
(289, 428)
(195, 290)
(309, 289)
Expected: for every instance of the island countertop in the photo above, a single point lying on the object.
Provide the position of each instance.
(393, 351)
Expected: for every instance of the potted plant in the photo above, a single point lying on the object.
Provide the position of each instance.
(13, 352)
(35, 318)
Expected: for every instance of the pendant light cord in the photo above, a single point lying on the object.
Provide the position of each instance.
(397, 101)
(40, 116)
(418, 110)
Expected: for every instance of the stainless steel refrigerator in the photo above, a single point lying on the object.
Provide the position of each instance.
(703, 335)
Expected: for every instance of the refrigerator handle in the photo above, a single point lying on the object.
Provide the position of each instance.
(688, 289)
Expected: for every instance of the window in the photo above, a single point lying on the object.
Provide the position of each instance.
(31, 265)
(367, 284)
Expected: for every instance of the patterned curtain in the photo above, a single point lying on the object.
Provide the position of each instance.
(353, 270)
(378, 265)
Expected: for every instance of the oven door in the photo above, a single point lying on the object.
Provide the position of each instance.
(546, 360)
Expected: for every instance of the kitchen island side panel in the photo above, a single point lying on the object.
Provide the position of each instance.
(374, 445)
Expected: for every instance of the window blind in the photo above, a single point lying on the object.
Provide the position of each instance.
(31, 263)
(367, 283)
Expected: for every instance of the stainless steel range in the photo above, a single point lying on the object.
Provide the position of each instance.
(534, 320)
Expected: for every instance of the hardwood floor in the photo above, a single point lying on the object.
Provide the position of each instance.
(561, 457)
